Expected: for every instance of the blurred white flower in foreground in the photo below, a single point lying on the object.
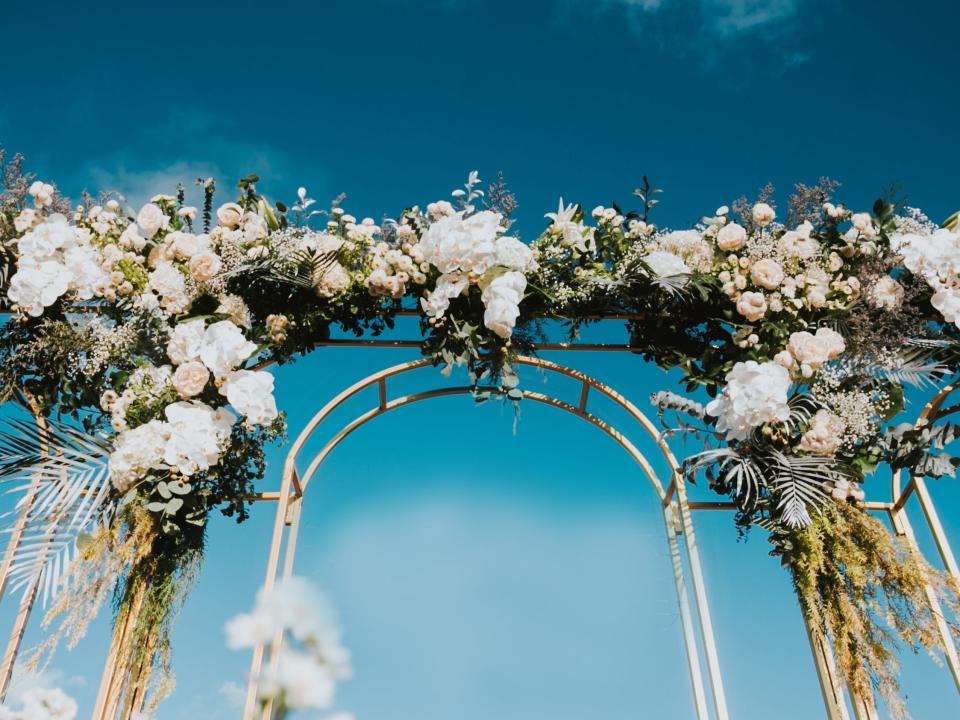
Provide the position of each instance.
(42, 704)
(313, 660)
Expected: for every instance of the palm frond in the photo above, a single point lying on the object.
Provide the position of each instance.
(801, 484)
(300, 269)
(63, 476)
(922, 363)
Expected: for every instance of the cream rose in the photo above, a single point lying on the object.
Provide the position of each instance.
(204, 266)
(152, 219)
(886, 293)
(763, 214)
(731, 237)
(229, 215)
(813, 351)
(752, 305)
(767, 273)
(824, 436)
(190, 378)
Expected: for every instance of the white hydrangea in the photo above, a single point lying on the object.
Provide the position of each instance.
(36, 286)
(302, 680)
(135, 451)
(251, 394)
(754, 394)
(170, 284)
(666, 264)
(455, 243)
(185, 341)
(197, 434)
(224, 347)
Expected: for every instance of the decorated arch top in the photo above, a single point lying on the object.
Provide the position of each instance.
(802, 321)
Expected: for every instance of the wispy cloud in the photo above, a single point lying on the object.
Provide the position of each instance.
(725, 17)
(187, 144)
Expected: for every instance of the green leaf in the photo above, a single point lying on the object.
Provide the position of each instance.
(156, 507)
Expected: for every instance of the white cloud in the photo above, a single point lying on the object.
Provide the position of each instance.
(233, 694)
(726, 17)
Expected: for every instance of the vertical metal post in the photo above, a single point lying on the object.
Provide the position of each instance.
(830, 685)
(686, 622)
(703, 607)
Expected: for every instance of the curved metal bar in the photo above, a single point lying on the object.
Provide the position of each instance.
(293, 487)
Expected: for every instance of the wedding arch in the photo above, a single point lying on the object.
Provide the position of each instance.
(139, 340)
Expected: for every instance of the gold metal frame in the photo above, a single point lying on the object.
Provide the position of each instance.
(675, 507)
(677, 512)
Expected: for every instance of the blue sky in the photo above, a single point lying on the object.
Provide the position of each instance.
(481, 573)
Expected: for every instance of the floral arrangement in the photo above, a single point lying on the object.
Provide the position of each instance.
(150, 327)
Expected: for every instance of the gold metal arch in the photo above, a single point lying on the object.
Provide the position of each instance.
(674, 505)
(677, 513)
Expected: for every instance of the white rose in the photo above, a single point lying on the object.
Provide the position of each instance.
(813, 351)
(183, 246)
(825, 434)
(251, 394)
(864, 224)
(763, 214)
(204, 266)
(229, 215)
(752, 305)
(731, 237)
(224, 347)
(185, 340)
(190, 378)
(152, 219)
(767, 273)
(887, 293)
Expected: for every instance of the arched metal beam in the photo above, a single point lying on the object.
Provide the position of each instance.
(293, 486)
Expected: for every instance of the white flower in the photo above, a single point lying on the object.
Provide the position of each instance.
(251, 393)
(152, 219)
(171, 285)
(864, 224)
(824, 436)
(767, 273)
(501, 299)
(190, 378)
(731, 237)
(42, 193)
(204, 266)
(235, 309)
(303, 681)
(48, 704)
(798, 243)
(38, 285)
(666, 264)
(572, 234)
(763, 214)
(752, 305)
(886, 293)
(188, 211)
(224, 347)
(813, 351)
(86, 274)
(183, 245)
(947, 301)
(47, 238)
(197, 433)
(330, 279)
(135, 451)
(448, 286)
(467, 244)
(229, 215)
(754, 394)
(513, 254)
(185, 340)
(929, 255)
(27, 218)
